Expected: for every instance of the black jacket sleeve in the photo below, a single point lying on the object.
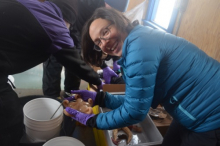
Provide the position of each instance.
(104, 65)
(92, 122)
(99, 100)
(71, 59)
(75, 35)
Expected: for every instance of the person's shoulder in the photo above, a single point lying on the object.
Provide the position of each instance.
(138, 33)
(140, 29)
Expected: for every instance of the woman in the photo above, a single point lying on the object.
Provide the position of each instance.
(30, 31)
(158, 68)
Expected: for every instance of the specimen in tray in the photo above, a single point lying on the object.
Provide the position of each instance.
(117, 138)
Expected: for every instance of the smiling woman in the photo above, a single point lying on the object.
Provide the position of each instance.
(106, 19)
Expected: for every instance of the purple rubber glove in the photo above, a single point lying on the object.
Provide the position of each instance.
(70, 98)
(116, 67)
(101, 86)
(85, 94)
(78, 116)
(108, 73)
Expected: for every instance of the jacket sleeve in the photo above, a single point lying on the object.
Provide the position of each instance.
(75, 35)
(103, 99)
(113, 101)
(71, 59)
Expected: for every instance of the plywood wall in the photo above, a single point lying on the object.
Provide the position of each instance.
(200, 25)
(133, 3)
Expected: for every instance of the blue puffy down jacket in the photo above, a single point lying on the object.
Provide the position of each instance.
(161, 68)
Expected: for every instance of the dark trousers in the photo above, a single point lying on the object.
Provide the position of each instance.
(177, 135)
(52, 78)
(11, 115)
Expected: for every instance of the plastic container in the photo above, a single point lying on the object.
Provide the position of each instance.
(64, 141)
(150, 135)
(38, 125)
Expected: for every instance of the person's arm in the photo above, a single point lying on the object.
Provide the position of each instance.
(75, 35)
(104, 99)
(71, 59)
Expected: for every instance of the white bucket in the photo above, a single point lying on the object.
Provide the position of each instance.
(64, 141)
(37, 114)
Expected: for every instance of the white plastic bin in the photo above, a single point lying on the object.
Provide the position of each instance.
(150, 134)
(37, 114)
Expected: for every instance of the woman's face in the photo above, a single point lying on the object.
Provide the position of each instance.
(107, 37)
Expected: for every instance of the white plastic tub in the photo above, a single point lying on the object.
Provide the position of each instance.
(37, 114)
(64, 141)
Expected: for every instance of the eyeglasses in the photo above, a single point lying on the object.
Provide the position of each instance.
(105, 35)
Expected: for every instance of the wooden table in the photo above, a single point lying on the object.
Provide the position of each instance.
(162, 124)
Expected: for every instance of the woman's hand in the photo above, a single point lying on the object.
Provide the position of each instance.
(85, 94)
(78, 116)
(108, 73)
(116, 67)
(101, 86)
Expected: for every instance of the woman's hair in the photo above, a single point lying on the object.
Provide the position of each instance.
(91, 56)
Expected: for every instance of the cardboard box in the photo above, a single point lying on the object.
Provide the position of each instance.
(114, 88)
(111, 88)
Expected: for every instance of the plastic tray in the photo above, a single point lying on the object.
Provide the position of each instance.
(150, 134)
